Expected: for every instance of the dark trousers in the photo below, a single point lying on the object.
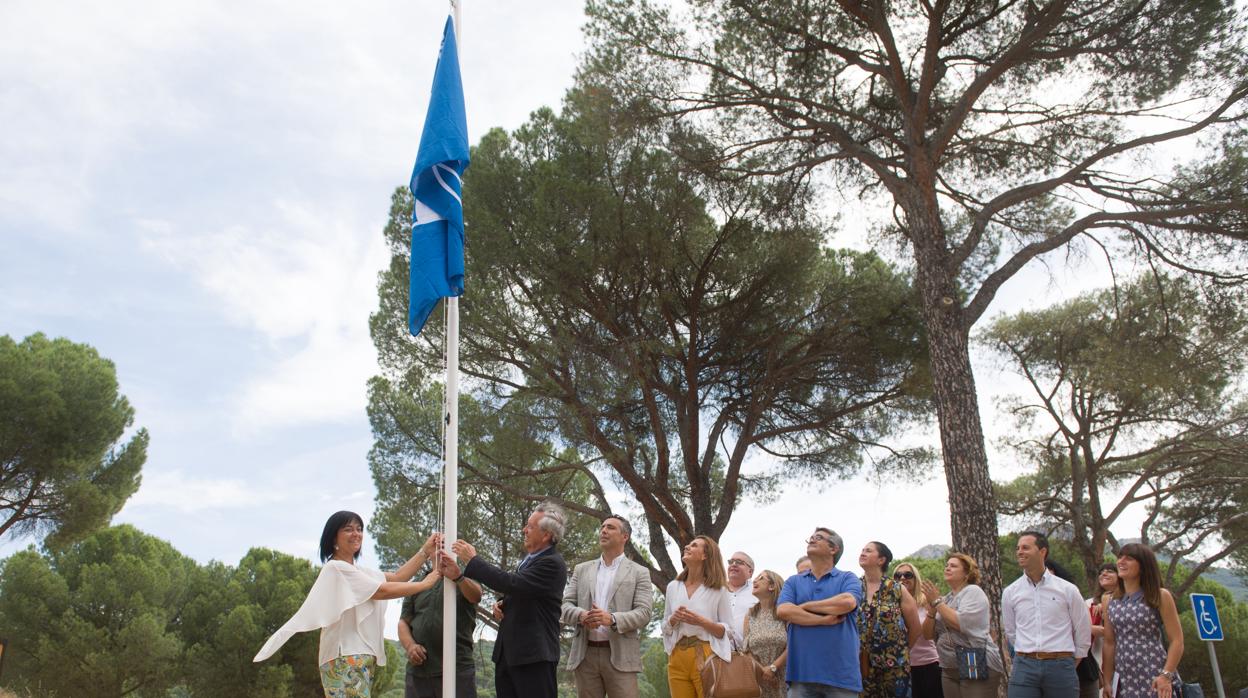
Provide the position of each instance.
(925, 681)
(536, 680)
(431, 686)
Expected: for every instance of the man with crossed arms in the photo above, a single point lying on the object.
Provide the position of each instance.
(609, 600)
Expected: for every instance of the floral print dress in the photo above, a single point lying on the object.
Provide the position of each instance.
(882, 636)
(1139, 655)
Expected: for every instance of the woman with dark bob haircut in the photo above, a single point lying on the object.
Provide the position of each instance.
(348, 604)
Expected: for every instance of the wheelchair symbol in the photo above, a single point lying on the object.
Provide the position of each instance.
(1207, 623)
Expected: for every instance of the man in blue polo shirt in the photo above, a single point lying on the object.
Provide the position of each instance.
(819, 605)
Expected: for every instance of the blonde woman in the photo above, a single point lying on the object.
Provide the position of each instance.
(924, 662)
(959, 619)
(766, 636)
(696, 618)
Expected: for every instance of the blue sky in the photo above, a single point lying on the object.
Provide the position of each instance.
(198, 190)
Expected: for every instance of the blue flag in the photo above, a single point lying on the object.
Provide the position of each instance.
(438, 211)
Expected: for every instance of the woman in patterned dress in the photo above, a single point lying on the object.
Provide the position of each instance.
(766, 636)
(888, 624)
(1138, 613)
(348, 604)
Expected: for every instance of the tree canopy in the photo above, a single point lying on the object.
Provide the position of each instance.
(999, 132)
(1133, 399)
(100, 617)
(663, 325)
(62, 470)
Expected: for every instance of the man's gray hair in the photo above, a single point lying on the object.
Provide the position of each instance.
(834, 540)
(553, 520)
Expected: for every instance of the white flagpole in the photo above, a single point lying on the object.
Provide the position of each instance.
(450, 527)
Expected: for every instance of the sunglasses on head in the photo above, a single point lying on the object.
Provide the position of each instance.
(903, 575)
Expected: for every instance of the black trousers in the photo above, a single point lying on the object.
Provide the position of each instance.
(925, 681)
(536, 680)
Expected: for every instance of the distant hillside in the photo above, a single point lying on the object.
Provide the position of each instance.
(935, 551)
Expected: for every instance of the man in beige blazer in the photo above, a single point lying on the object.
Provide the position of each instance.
(608, 600)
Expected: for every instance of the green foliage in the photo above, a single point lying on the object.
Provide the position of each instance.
(1133, 398)
(505, 466)
(62, 472)
(232, 612)
(652, 683)
(1195, 668)
(659, 323)
(111, 603)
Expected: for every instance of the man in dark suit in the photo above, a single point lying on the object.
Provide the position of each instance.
(526, 653)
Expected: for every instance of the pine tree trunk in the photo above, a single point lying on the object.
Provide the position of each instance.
(972, 502)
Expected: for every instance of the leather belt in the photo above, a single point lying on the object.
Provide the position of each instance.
(691, 641)
(1047, 655)
(599, 643)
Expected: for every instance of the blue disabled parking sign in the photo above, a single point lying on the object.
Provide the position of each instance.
(1208, 626)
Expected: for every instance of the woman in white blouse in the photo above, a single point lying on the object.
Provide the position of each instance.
(696, 617)
(348, 604)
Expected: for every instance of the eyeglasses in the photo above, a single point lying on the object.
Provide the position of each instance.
(818, 538)
(743, 563)
(903, 575)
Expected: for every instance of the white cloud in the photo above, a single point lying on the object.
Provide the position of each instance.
(173, 490)
(306, 284)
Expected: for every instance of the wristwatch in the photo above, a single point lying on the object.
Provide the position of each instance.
(772, 668)
(1172, 675)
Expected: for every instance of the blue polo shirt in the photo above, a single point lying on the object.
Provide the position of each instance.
(826, 654)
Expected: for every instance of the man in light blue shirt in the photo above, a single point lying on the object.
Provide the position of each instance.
(820, 607)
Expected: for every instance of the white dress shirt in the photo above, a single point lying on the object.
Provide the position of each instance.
(602, 595)
(708, 603)
(1046, 616)
(743, 600)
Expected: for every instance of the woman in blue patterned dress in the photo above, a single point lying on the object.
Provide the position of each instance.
(1138, 613)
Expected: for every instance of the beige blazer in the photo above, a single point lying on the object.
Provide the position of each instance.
(630, 601)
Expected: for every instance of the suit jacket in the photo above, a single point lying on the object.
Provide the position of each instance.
(529, 631)
(630, 600)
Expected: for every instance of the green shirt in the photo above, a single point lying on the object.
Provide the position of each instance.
(423, 614)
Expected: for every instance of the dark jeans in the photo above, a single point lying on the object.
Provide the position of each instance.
(431, 686)
(536, 680)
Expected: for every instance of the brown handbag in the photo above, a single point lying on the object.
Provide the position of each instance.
(735, 679)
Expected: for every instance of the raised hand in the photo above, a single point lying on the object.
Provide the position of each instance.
(447, 566)
(464, 550)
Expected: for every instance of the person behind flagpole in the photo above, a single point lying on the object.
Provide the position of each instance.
(924, 662)
(609, 600)
(1139, 611)
(420, 635)
(960, 619)
(888, 624)
(347, 603)
(526, 653)
(740, 592)
(765, 635)
(696, 617)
